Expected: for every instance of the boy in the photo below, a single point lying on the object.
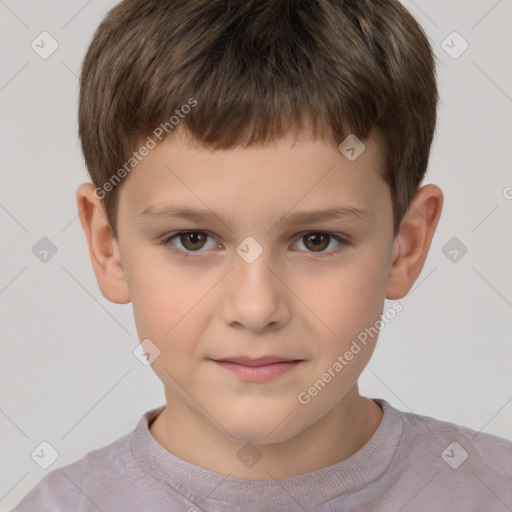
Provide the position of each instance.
(256, 196)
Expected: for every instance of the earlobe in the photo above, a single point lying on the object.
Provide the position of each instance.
(103, 247)
(413, 241)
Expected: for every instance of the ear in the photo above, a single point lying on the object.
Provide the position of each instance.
(103, 247)
(412, 243)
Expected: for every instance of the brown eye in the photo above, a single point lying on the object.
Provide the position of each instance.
(319, 243)
(189, 243)
(193, 241)
(316, 242)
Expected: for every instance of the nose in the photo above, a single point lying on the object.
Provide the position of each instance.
(254, 296)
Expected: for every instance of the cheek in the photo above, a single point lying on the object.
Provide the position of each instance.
(363, 292)
(163, 299)
(351, 299)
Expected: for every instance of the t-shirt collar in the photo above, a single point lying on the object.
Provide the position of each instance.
(212, 490)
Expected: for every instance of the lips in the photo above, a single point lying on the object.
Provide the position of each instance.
(258, 369)
(260, 361)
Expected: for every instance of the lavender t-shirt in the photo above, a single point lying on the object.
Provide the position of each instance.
(412, 463)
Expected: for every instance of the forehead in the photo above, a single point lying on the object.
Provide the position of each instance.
(281, 173)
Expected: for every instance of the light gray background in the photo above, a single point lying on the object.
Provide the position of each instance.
(68, 374)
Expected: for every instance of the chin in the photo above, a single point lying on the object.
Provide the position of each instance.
(261, 426)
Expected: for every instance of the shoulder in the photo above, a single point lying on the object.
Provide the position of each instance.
(446, 466)
(68, 487)
(459, 465)
(459, 442)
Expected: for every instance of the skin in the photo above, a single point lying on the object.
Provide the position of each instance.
(291, 301)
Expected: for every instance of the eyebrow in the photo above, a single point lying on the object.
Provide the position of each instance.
(305, 217)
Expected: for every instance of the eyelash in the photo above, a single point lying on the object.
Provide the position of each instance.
(166, 242)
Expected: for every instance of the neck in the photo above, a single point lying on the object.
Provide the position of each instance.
(340, 433)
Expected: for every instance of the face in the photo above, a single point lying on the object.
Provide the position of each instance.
(256, 271)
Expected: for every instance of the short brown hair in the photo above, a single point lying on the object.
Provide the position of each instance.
(259, 69)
